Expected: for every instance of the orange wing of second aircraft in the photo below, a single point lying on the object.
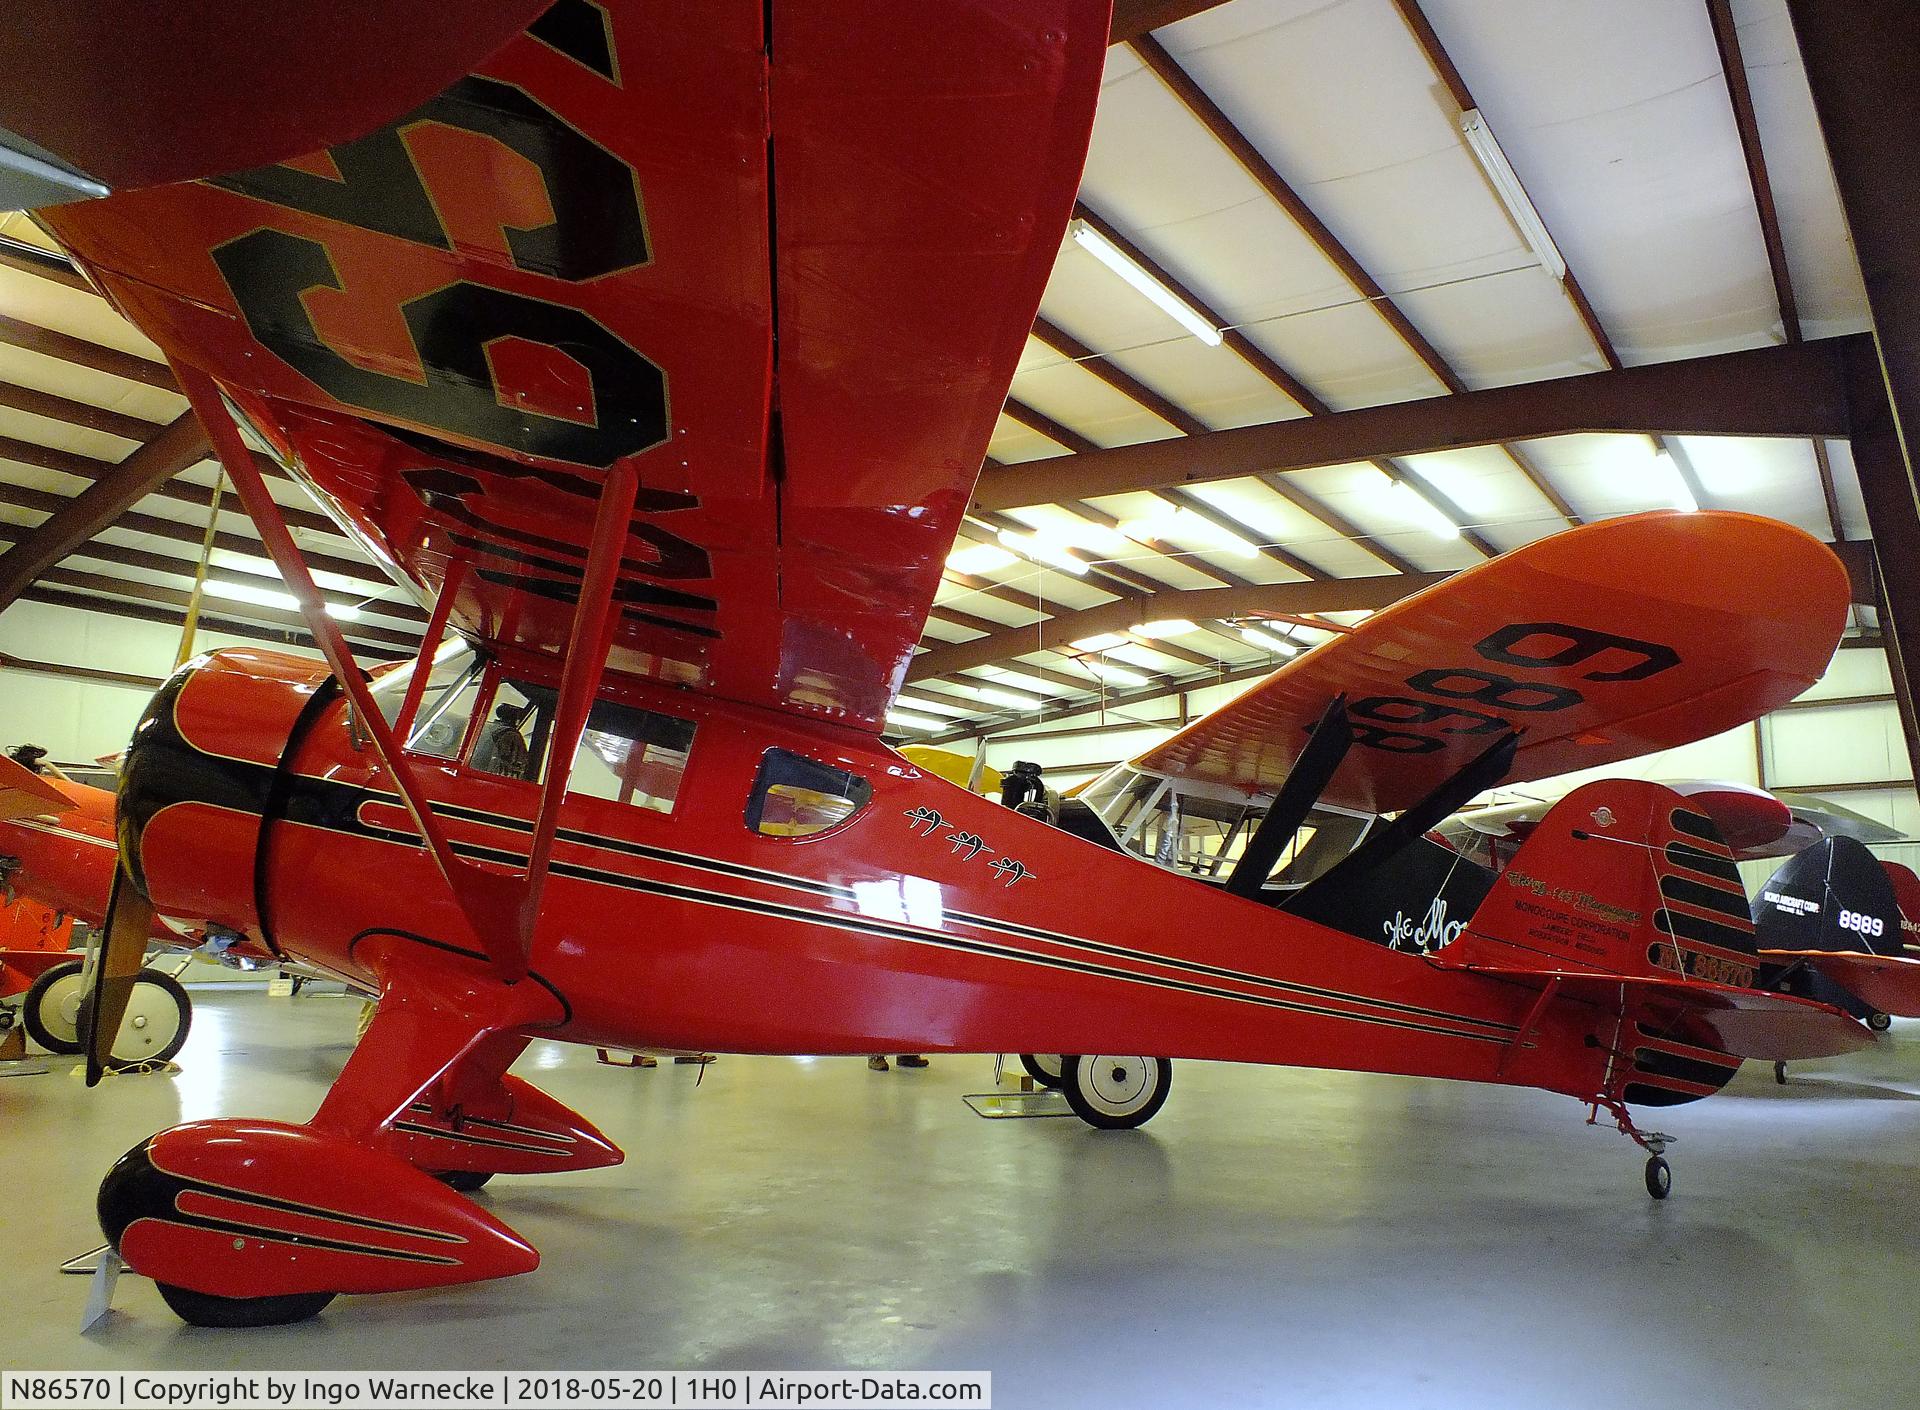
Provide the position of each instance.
(1600, 644)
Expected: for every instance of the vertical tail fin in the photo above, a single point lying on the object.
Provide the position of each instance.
(1621, 877)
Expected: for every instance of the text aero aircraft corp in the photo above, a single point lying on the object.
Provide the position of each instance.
(659, 351)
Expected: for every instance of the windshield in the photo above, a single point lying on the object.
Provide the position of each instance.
(454, 668)
(1202, 830)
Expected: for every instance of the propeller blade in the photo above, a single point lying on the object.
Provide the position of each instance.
(123, 953)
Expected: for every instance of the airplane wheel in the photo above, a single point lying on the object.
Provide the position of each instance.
(1659, 1177)
(1043, 1068)
(198, 1309)
(1780, 1073)
(465, 1181)
(1115, 1093)
(51, 1009)
(158, 1016)
(1879, 1022)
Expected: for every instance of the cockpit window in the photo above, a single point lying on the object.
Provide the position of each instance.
(794, 796)
(453, 683)
(1203, 831)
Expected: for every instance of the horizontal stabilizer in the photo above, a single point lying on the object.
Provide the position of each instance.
(1890, 983)
(1743, 1023)
(24, 794)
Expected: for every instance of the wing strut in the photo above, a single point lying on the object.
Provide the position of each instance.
(1308, 778)
(586, 661)
(1477, 775)
(489, 901)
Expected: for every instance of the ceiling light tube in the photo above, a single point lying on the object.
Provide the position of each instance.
(1414, 502)
(1267, 641)
(979, 558)
(1173, 626)
(995, 696)
(1681, 493)
(1040, 551)
(908, 720)
(1506, 185)
(1162, 298)
(1111, 674)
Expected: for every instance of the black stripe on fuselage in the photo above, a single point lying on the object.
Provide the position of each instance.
(334, 805)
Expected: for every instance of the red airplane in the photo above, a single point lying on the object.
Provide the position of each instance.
(659, 353)
(57, 859)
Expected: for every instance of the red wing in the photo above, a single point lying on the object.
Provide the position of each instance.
(1603, 643)
(1890, 983)
(788, 280)
(208, 86)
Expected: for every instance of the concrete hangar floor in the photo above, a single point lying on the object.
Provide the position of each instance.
(1272, 1237)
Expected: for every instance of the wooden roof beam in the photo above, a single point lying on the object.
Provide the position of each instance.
(1211, 116)
(1282, 379)
(179, 444)
(1794, 390)
(247, 631)
(83, 353)
(1733, 67)
(1052, 336)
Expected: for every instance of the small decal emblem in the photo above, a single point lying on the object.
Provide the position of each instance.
(1603, 816)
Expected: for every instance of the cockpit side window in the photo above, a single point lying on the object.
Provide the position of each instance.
(794, 796)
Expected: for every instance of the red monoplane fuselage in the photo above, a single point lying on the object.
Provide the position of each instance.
(930, 918)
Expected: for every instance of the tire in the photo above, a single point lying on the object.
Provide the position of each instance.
(198, 1309)
(465, 1181)
(1879, 1022)
(1115, 1093)
(44, 1009)
(159, 1016)
(1043, 1068)
(1659, 1177)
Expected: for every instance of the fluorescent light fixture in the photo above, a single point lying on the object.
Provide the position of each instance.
(931, 707)
(1681, 494)
(1506, 185)
(1158, 294)
(1267, 641)
(1410, 501)
(1187, 524)
(1112, 674)
(906, 719)
(264, 568)
(1103, 642)
(281, 601)
(994, 696)
(1040, 551)
(259, 597)
(1173, 626)
(979, 558)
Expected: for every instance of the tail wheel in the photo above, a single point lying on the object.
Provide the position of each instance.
(51, 1009)
(1879, 1022)
(159, 1015)
(1115, 1093)
(1043, 1068)
(198, 1309)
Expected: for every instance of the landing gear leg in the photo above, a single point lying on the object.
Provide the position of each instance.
(1659, 1175)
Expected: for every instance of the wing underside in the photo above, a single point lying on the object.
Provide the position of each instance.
(1599, 644)
(780, 258)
